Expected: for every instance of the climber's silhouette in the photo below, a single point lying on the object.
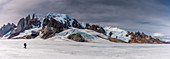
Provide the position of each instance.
(25, 45)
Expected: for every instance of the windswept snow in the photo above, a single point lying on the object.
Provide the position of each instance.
(121, 34)
(50, 49)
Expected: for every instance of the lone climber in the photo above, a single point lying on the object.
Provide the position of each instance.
(25, 45)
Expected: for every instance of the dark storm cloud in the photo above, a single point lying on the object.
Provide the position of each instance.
(133, 15)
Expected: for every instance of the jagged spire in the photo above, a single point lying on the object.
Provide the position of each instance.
(28, 17)
(33, 16)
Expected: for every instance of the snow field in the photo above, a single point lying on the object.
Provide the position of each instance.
(52, 49)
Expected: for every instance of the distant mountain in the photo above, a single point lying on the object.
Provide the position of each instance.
(6, 28)
(63, 26)
(163, 38)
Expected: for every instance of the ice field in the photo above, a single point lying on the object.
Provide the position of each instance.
(61, 49)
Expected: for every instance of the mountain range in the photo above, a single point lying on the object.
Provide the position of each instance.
(63, 26)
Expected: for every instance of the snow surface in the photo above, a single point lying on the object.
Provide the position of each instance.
(58, 49)
(121, 34)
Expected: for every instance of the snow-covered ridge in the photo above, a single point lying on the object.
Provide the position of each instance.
(116, 32)
(63, 18)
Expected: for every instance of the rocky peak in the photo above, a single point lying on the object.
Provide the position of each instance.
(51, 28)
(27, 22)
(55, 23)
(24, 24)
(6, 28)
(138, 37)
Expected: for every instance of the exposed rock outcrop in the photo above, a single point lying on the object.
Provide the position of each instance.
(110, 34)
(52, 28)
(32, 36)
(76, 24)
(45, 22)
(96, 28)
(138, 37)
(116, 40)
(76, 37)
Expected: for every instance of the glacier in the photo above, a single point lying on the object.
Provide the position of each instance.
(89, 35)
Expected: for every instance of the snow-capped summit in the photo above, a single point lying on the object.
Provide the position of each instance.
(63, 18)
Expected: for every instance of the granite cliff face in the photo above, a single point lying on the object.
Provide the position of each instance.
(32, 26)
(24, 24)
(27, 22)
(52, 28)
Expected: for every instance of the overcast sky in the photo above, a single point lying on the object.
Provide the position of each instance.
(149, 16)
